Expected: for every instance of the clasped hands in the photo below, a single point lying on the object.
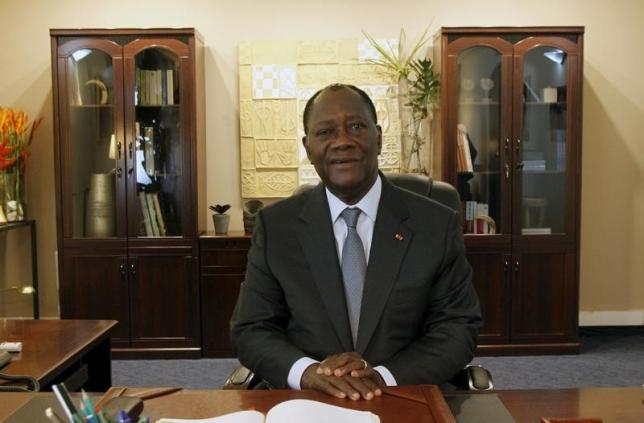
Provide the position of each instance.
(345, 375)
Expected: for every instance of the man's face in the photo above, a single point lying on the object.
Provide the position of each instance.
(343, 143)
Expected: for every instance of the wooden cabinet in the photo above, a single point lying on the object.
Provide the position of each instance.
(510, 141)
(223, 268)
(130, 188)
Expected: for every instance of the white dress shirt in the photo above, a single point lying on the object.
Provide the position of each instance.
(366, 221)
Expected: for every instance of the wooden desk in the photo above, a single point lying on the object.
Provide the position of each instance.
(613, 405)
(76, 352)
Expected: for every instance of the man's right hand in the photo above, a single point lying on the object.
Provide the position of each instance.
(340, 387)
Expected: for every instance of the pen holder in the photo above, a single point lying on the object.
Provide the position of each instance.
(131, 405)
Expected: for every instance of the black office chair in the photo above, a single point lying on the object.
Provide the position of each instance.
(472, 377)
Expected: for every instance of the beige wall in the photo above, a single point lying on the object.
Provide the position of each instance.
(612, 267)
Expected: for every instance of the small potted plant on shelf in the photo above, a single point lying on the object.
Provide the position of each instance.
(220, 219)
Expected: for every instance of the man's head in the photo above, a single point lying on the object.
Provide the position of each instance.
(343, 140)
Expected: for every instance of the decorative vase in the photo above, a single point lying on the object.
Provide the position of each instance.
(100, 217)
(251, 208)
(414, 146)
(12, 190)
(221, 222)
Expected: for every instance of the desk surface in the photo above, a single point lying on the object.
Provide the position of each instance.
(49, 346)
(623, 405)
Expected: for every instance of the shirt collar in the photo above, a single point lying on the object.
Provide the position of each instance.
(368, 204)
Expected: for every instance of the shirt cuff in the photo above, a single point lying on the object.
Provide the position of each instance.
(389, 379)
(297, 370)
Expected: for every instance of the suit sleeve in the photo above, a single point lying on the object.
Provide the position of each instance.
(451, 325)
(259, 322)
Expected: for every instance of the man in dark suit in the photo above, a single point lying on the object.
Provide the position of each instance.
(345, 308)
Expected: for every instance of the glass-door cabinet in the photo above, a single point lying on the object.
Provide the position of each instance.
(510, 142)
(128, 115)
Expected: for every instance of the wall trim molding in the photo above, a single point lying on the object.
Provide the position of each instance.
(611, 318)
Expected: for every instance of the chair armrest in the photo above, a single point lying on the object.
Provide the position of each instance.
(473, 377)
(241, 378)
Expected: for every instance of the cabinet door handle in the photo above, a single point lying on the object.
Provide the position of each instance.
(516, 266)
(123, 269)
(119, 172)
(133, 269)
(506, 265)
(518, 146)
(129, 149)
(119, 148)
(520, 166)
(507, 171)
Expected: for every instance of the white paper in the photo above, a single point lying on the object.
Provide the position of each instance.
(237, 417)
(316, 412)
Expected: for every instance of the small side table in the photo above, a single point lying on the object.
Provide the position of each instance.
(34, 257)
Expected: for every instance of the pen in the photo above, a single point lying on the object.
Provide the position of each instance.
(123, 417)
(52, 416)
(65, 402)
(90, 412)
(156, 392)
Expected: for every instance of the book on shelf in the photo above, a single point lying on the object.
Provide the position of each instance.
(157, 209)
(170, 85)
(481, 225)
(470, 216)
(145, 214)
(536, 231)
(297, 410)
(153, 214)
(464, 155)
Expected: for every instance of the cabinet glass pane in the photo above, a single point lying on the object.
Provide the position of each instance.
(543, 144)
(477, 136)
(158, 151)
(93, 145)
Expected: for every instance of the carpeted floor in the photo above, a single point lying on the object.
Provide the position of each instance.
(609, 357)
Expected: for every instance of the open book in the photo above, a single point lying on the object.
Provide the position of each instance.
(291, 411)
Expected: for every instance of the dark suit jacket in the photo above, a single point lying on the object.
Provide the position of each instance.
(420, 313)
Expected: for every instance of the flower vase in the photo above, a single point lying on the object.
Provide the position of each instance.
(414, 133)
(13, 195)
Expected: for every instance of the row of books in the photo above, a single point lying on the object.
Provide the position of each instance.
(152, 216)
(477, 218)
(463, 154)
(154, 87)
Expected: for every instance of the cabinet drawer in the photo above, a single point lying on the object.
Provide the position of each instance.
(224, 257)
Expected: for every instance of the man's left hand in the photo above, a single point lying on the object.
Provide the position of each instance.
(350, 363)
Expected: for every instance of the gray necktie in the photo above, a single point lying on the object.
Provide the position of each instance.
(354, 267)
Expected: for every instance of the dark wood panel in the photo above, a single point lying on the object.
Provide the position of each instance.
(165, 301)
(218, 302)
(490, 276)
(95, 287)
(223, 268)
(544, 295)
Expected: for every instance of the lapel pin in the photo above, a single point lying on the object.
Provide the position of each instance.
(399, 236)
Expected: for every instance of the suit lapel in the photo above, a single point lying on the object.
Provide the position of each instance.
(388, 247)
(318, 243)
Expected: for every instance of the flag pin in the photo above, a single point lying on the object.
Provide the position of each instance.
(399, 236)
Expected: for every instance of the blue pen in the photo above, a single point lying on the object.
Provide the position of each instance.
(123, 417)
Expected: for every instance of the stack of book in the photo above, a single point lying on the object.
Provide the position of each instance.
(154, 87)
(152, 216)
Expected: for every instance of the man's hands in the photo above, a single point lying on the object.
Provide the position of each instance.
(345, 375)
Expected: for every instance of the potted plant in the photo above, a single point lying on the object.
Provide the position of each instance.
(418, 87)
(220, 219)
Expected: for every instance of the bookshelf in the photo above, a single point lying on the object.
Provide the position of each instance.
(510, 142)
(129, 145)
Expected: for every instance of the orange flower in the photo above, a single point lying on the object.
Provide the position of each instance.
(15, 137)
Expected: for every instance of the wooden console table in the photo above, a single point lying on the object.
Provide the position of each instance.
(76, 352)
